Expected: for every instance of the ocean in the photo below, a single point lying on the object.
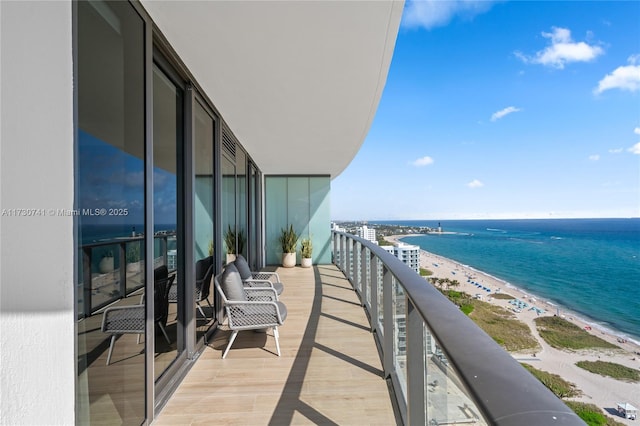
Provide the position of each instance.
(587, 267)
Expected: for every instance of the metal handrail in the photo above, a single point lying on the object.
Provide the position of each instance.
(503, 391)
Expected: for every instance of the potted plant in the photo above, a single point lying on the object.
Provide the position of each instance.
(230, 243)
(288, 243)
(234, 241)
(306, 250)
(133, 257)
(106, 263)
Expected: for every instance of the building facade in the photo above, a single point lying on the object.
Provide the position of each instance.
(367, 233)
(137, 135)
(408, 253)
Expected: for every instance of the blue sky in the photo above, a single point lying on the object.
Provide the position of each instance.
(504, 110)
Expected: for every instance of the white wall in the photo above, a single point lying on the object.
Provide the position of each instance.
(37, 361)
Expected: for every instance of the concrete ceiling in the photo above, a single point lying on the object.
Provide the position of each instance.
(298, 82)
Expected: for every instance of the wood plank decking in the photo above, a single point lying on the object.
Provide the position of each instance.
(329, 373)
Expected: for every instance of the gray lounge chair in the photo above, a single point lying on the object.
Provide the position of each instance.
(257, 279)
(248, 308)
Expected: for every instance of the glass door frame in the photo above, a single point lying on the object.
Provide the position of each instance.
(159, 390)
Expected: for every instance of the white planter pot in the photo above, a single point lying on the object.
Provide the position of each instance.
(306, 262)
(288, 260)
(106, 265)
(133, 267)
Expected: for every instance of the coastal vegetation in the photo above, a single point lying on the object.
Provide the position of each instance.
(510, 333)
(556, 384)
(562, 334)
(503, 327)
(383, 242)
(591, 414)
(611, 369)
(503, 296)
(460, 299)
(425, 272)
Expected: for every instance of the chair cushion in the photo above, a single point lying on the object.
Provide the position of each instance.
(283, 310)
(231, 284)
(278, 287)
(243, 267)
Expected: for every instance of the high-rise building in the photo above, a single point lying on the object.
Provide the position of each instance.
(366, 233)
(409, 254)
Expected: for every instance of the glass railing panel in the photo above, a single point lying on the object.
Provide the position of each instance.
(105, 275)
(135, 265)
(448, 401)
(400, 333)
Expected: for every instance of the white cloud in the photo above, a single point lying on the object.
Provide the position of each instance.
(475, 184)
(424, 161)
(636, 130)
(506, 111)
(436, 13)
(562, 50)
(594, 157)
(615, 151)
(626, 77)
(635, 149)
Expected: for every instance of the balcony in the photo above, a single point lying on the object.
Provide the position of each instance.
(329, 372)
(359, 348)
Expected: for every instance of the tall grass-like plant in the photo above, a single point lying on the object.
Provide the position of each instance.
(288, 239)
(234, 241)
(306, 248)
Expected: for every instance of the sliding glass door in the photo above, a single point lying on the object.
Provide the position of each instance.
(110, 189)
(204, 219)
(168, 137)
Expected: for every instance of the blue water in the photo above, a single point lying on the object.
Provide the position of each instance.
(590, 267)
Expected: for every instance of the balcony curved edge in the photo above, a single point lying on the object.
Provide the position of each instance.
(506, 393)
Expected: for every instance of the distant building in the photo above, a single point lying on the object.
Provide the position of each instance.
(409, 254)
(336, 227)
(367, 233)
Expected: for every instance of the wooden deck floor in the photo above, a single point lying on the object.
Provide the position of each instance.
(329, 372)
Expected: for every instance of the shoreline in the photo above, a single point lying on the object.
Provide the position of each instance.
(602, 391)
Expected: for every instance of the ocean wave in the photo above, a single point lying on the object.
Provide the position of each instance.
(497, 230)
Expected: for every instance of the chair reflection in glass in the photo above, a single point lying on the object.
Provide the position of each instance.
(204, 272)
(119, 320)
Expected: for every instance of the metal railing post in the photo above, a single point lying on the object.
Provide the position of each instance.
(416, 368)
(122, 258)
(87, 254)
(363, 274)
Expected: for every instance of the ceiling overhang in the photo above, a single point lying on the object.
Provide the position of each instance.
(298, 82)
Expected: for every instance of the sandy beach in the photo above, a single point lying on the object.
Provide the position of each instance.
(602, 391)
